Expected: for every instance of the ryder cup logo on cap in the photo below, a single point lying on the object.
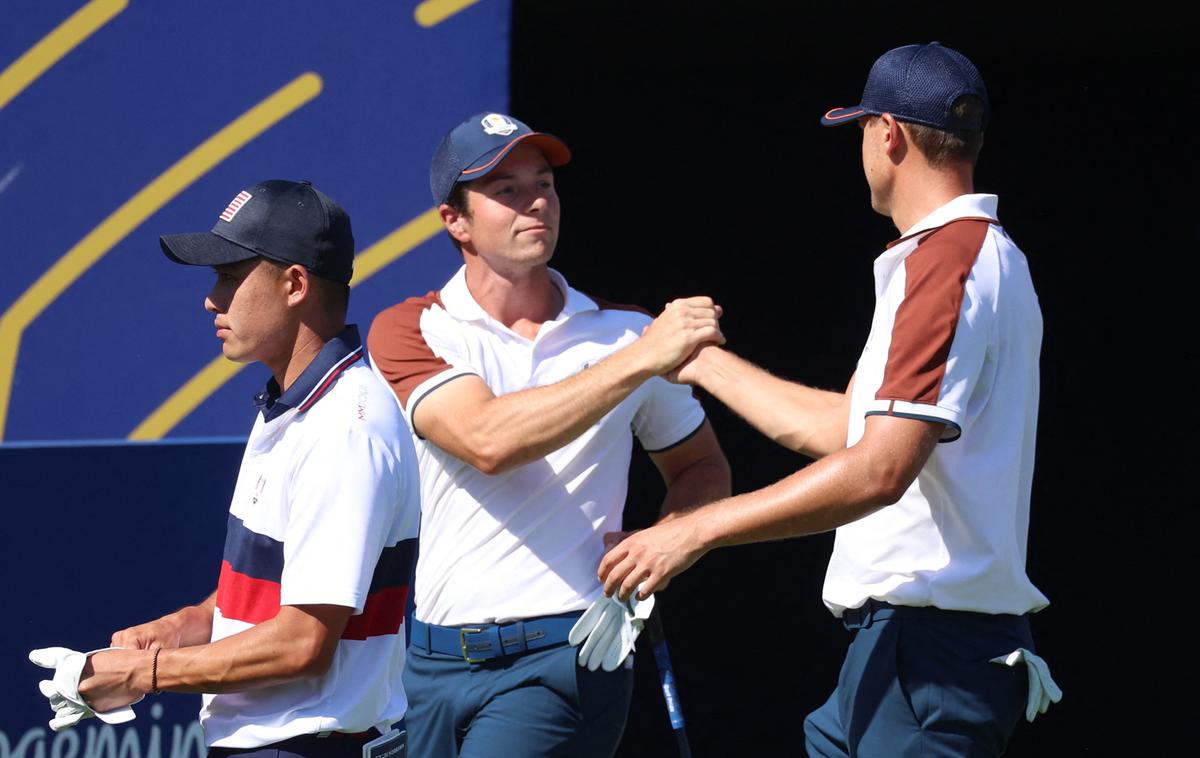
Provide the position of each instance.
(920, 84)
(468, 153)
(498, 123)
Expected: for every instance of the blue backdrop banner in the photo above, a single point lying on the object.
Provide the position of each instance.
(121, 121)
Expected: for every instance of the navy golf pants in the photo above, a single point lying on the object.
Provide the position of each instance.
(918, 682)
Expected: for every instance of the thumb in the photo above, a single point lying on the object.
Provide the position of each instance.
(49, 657)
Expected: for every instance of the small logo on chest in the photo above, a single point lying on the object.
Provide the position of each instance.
(258, 488)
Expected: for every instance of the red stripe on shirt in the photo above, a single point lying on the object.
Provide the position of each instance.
(244, 598)
(382, 614)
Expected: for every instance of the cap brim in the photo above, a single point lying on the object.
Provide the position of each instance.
(203, 249)
(839, 116)
(555, 150)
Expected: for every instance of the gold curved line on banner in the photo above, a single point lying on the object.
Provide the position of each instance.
(54, 46)
(433, 12)
(213, 376)
(136, 210)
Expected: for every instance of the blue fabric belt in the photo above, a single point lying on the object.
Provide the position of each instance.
(476, 643)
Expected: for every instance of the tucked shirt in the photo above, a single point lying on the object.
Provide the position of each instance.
(955, 339)
(523, 543)
(325, 511)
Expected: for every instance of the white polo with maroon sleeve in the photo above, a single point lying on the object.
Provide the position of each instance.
(955, 339)
(527, 542)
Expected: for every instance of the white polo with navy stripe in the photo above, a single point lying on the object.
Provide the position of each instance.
(527, 542)
(955, 339)
(326, 511)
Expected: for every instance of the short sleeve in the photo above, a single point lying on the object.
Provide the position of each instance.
(941, 331)
(344, 498)
(668, 414)
(410, 358)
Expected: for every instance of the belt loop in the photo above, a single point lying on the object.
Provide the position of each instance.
(513, 643)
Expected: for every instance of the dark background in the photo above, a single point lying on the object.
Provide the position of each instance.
(701, 168)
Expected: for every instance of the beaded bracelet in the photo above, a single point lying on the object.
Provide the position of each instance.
(154, 672)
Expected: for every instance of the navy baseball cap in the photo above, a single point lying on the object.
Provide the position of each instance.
(476, 146)
(286, 221)
(919, 83)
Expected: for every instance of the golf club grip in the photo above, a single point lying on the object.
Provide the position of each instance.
(666, 677)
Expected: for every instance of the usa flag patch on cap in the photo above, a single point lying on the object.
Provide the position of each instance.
(235, 205)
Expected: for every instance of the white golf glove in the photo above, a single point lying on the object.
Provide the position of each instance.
(608, 630)
(63, 690)
(1042, 689)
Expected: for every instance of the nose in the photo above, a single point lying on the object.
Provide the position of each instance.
(209, 305)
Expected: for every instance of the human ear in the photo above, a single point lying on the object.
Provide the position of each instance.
(455, 222)
(296, 283)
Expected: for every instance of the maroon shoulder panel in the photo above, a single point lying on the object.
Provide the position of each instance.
(399, 349)
(935, 277)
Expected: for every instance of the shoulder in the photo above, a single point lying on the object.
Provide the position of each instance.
(619, 314)
(957, 243)
(405, 315)
(400, 324)
(359, 405)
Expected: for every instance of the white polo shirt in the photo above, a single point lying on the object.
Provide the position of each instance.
(527, 542)
(325, 512)
(955, 339)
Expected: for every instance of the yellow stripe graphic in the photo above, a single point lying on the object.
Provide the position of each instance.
(134, 212)
(213, 376)
(433, 12)
(51, 49)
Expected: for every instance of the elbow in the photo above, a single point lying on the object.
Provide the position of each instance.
(490, 459)
(311, 657)
(887, 486)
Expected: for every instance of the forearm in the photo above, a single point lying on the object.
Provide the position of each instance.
(513, 429)
(261, 656)
(704, 481)
(298, 642)
(838, 489)
(190, 625)
(828, 493)
(804, 419)
(195, 622)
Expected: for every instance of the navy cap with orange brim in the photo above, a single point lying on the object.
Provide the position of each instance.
(479, 144)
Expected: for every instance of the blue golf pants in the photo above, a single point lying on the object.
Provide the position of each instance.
(529, 706)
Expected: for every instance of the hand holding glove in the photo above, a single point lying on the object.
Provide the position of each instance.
(63, 690)
(1042, 688)
(608, 629)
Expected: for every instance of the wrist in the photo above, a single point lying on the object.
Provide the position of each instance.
(638, 362)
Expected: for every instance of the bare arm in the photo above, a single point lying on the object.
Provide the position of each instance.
(804, 419)
(298, 642)
(840, 488)
(695, 472)
(498, 433)
(190, 625)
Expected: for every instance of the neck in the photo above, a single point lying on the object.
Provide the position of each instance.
(922, 189)
(307, 344)
(522, 300)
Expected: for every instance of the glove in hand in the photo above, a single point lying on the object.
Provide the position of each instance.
(1043, 690)
(63, 690)
(608, 630)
